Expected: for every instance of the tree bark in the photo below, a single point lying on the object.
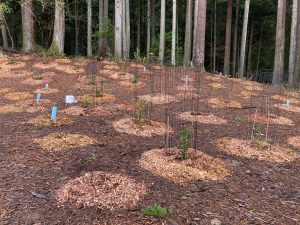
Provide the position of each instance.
(235, 39)
(228, 38)
(118, 29)
(279, 46)
(127, 29)
(76, 27)
(57, 46)
(27, 25)
(296, 77)
(199, 52)
(215, 36)
(293, 46)
(148, 28)
(138, 35)
(244, 39)
(153, 16)
(89, 28)
(249, 68)
(103, 20)
(174, 19)
(3, 30)
(188, 34)
(162, 31)
(195, 23)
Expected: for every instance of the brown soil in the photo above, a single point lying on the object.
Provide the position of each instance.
(295, 142)
(257, 190)
(201, 118)
(158, 99)
(18, 96)
(45, 120)
(224, 103)
(122, 76)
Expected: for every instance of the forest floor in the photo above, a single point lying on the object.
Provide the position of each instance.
(96, 165)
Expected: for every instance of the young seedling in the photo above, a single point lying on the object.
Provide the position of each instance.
(258, 141)
(141, 111)
(37, 76)
(92, 80)
(185, 142)
(98, 92)
(87, 103)
(156, 211)
(134, 80)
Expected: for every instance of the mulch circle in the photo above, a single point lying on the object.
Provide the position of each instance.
(224, 103)
(256, 150)
(271, 119)
(18, 96)
(105, 98)
(93, 111)
(159, 99)
(147, 129)
(33, 82)
(62, 141)
(122, 76)
(285, 98)
(45, 120)
(198, 166)
(291, 108)
(102, 190)
(295, 142)
(201, 118)
(129, 84)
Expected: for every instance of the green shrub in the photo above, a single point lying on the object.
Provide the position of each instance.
(155, 210)
(37, 76)
(141, 112)
(88, 102)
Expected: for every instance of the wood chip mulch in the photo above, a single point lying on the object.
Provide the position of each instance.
(4, 91)
(93, 111)
(159, 99)
(248, 94)
(62, 141)
(201, 118)
(251, 150)
(130, 85)
(122, 76)
(102, 190)
(217, 85)
(105, 98)
(224, 103)
(147, 129)
(33, 82)
(271, 119)
(111, 67)
(198, 166)
(18, 96)
(46, 91)
(295, 142)
(45, 120)
(284, 98)
(284, 107)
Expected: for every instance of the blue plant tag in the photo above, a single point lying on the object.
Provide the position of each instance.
(46, 86)
(288, 104)
(54, 113)
(38, 98)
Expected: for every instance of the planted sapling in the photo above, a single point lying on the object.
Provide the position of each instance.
(185, 142)
(87, 103)
(141, 112)
(37, 76)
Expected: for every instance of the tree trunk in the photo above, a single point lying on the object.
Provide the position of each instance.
(188, 33)
(153, 16)
(148, 28)
(126, 32)
(249, 68)
(118, 29)
(76, 27)
(138, 35)
(3, 30)
(279, 46)
(228, 38)
(215, 36)
(173, 55)
(162, 31)
(195, 23)
(103, 20)
(57, 46)
(89, 28)
(296, 77)
(27, 25)
(293, 46)
(235, 39)
(244, 39)
(199, 52)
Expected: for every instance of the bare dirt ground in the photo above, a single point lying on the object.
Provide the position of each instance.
(94, 174)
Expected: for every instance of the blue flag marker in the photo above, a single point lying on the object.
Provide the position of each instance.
(54, 113)
(46, 86)
(288, 104)
(38, 98)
